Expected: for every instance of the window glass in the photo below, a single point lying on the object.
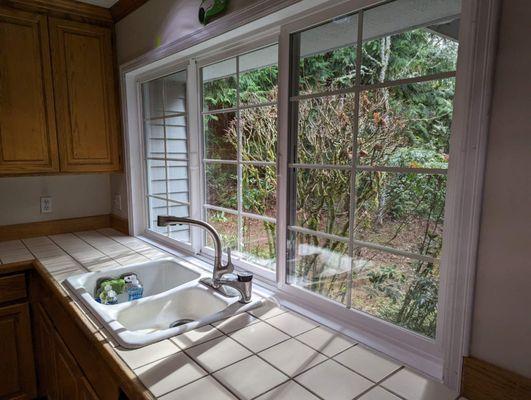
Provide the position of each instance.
(367, 173)
(166, 152)
(241, 190)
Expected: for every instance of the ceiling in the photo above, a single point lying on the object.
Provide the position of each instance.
(101, 3)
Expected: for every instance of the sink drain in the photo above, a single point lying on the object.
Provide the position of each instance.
(180, 322)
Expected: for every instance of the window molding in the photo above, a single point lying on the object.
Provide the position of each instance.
(471, 105)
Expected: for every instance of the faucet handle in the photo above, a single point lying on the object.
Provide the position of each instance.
(244, 276)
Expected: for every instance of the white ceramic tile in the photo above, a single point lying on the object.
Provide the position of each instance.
(326, 341)
(236, 322)
(412, 386)
(196, 336)
(288, 391)
(136, 358)
(117, 251)
(291, 323)
(292, 357)
(218, 353)
(332, 381)
(250, 377)
(170, 373)
(268, 310)
(206, 388)
(14, 251)
(367, 363)
(378, 393)
(259, 336)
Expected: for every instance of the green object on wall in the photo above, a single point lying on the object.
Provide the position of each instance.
(211, 8)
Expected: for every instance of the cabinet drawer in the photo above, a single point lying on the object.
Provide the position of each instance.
(12, 287)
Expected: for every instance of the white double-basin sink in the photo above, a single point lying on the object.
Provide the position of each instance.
(173, 302)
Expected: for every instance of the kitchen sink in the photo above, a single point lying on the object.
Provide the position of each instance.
(173, 302)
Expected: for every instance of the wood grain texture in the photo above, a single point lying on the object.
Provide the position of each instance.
(45, 228)
(485, 381)
(43, 334)
(12, 287)
(85, 93)
(17, 369)
(28, 142)
(63, 8)
(71, 316)
(123, 8)
(120, 224)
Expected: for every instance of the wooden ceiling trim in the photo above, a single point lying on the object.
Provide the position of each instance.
(122, 8)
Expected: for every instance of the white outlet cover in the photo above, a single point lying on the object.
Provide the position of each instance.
(46, 204)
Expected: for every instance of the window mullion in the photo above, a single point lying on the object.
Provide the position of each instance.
(165, 150)
(353, 199)
(239, 159)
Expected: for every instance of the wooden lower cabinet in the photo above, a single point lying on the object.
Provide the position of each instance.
(60, 377)
(17, 370)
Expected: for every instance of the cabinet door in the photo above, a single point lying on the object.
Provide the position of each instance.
(28, 138)
(68, 374)
(85, 390)
(45, 350)
(85, 96)
(17, 370)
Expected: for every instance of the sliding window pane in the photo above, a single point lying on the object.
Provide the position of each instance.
(400, 290)
(221, 136)
(157, 207)
(219, 85)
(156, 178)
(259, 76)
(406, 126)
(324, 134)
(152, 99)
(221, 185)
(322, 198)
(259, 242)
(319, 265)
(421, 42)
(176, 127)
(259, 187)
(327, 56)
(178, 181)
(259, 133)
(403, 211)
(175, 93)
(227, 226)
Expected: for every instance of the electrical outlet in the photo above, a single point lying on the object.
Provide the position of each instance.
(118, 202)
(46, 205)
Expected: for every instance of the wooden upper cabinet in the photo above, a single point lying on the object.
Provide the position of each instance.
(85, 96)
(28, 141)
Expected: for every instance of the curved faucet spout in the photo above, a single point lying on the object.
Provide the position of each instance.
(219, 268)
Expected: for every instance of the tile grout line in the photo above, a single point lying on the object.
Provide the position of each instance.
(130, 251)
(377, 384)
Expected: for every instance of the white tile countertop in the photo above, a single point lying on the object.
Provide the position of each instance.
(267, 353)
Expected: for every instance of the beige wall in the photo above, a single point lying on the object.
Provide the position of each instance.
(72, 196)
(160, 22)
(502, 310)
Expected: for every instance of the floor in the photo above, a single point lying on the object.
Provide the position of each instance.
(269, 353)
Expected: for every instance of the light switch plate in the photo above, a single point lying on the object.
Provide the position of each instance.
(46, 204)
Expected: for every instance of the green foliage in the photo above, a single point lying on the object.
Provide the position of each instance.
(405, 126)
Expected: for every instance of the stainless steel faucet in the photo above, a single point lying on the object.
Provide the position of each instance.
(240, 281)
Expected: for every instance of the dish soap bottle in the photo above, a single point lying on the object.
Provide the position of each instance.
(134, 288)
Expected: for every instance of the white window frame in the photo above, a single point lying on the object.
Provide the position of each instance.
(477, 42)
